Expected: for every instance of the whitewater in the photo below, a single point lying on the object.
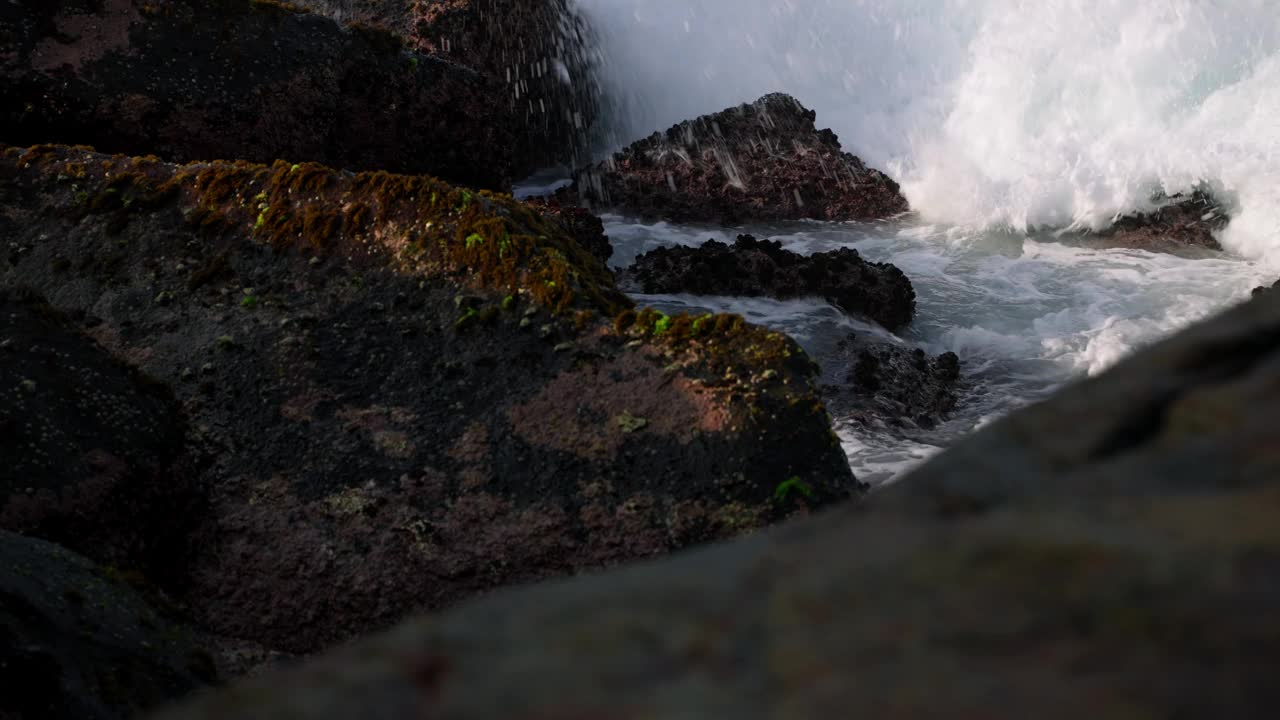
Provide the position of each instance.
(1006, 123)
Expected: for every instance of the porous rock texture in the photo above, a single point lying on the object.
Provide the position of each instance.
(541, 52)
(79, 643)
(1111, 552)
(753, 268)
(245, 79)
(763, 161)
(587, 229)
(94, 452)
(411, 393)
(880, 383)
(1179, 224)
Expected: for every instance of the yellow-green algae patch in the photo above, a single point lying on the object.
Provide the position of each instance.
(479, 239)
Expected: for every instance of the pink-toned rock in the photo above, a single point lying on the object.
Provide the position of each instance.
(260, 80)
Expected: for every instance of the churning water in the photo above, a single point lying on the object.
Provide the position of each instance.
(1000, 118)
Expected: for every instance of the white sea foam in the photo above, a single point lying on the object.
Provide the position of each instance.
(1025, 316)
(992, 113)
(998, 117)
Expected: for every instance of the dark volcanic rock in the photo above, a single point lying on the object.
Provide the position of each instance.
(93, 451)
(763, 161)
(256, 80)
(752, 268)
(413, 393)
(77, 643)
(1265, 289)
(880, 383)
(1112, 552)
(580, 225)
(1180, 223)
(541, 51)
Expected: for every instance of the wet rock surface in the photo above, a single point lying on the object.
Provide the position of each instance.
(261, 81)
(882, 384)
(540, 52)
(1180, 224)
(94, 452)
(764, 161)
(411, 393)
(78, 643)
(754, 268)
(587, 229)
(1112, 551)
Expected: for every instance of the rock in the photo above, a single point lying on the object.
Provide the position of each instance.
(93, 450)
(78, 643)
(542, 52)
(881, 383)
(1180, 223)
(1111, 552)
(579, 224)
(1265, 289)
(385, 462)
(260, 81)
(752, 268)
(759, 162)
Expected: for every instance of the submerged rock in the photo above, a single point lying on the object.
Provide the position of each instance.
(878, 383)
(541, 52)
(1111, 552)
(1180, 223)
(259, 80)
(759, 162)
(78, 643)
(94, 452)
(413, 393)
(754, 268)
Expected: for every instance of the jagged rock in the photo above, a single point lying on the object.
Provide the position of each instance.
(541, 51)
(759, 162)
(1265, 289)
(878, 383)
(412, 393)
(580, 225)
(1180, 223)
(752, 267)
(1111, 552)
(93, 451)
(254, 80)
(78, 643)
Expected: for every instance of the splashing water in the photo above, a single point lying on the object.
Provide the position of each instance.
(997, 117)
(990, 112)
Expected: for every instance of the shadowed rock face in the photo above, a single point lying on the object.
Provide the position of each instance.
(752, 268)
(77, 643)
(579, 224)
(1182, 223)
(883, 384)
(411, 393)
(93, 452)
(255, 80)
(758, 162)
(1111, 552)
(541, 52)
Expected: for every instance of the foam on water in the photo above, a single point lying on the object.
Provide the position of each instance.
(1001, 119)
(1024, 315)
(991, 113)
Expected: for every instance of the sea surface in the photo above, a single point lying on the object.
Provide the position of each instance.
(1010, 126)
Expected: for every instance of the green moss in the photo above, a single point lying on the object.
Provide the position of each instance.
(790, 487)
(481, 240)
(629, 423)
